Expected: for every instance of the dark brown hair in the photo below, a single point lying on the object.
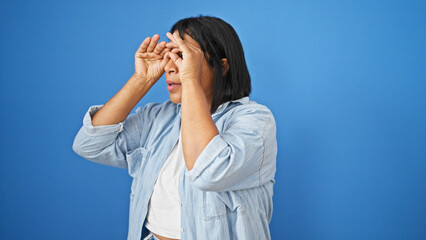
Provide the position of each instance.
(218, 40)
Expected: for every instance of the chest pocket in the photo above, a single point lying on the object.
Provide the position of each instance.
(213, 206)
(136, 160)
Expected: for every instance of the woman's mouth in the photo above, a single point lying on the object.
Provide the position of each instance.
(172, 85)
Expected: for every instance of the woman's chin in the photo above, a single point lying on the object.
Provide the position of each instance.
(174, 98)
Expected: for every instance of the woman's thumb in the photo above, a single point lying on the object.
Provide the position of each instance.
(175, 58)
(164, 61)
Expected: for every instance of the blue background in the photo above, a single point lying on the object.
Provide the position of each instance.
(346, 81)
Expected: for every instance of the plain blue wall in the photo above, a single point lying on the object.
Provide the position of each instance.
(346, 81)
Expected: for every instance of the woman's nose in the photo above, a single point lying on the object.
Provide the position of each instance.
(170, 67)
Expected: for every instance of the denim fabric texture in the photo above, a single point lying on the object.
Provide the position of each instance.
(150, 237)
(228, 192)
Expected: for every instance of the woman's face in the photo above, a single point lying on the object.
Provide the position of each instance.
(172, 75)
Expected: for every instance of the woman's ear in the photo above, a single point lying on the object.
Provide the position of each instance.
(225, 66)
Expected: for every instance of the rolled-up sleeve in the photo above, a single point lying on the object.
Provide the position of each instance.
(108, 144)
(99, 130)
(236, 158)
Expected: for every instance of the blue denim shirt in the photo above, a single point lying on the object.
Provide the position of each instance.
(228, 192)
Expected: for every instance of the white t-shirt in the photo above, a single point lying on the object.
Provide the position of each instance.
(163, 215)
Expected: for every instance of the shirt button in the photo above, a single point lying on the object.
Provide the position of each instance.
(181, 204)
(181, 230)
(180, 179)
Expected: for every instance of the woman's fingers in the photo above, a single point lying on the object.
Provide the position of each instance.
(150, 45)
(176, 38)
(153, 43)
(164, 61)
(182, 45)
(171, 37)
(176, 50)
(164, 51)
(172, 45)
(142, 48)
(175, 58)
(159, 48)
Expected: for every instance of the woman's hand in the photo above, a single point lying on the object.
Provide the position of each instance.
(190, 63)
(150, 60)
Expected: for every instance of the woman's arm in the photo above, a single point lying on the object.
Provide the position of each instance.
(121, 104)
(109, 133)
(198, 127)
(243, 155)
(149, 66)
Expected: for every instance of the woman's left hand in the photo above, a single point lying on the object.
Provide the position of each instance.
(190, 63)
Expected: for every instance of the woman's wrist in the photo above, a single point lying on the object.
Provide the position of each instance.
(191, 82)
(139, 84)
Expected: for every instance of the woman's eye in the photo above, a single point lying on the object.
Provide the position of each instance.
(179, 54)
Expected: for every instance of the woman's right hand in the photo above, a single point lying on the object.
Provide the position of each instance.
(149, 59)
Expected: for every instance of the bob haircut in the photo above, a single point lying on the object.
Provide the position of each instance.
(218, 40)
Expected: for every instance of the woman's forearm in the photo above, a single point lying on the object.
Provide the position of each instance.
(121, 104)
(197, 125)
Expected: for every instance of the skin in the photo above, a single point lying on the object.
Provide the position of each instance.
(149, 66)
(195, 95)
(183, 62)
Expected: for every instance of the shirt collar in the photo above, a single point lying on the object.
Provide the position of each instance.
(221, 107)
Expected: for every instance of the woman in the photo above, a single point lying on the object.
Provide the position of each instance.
(203, 163)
